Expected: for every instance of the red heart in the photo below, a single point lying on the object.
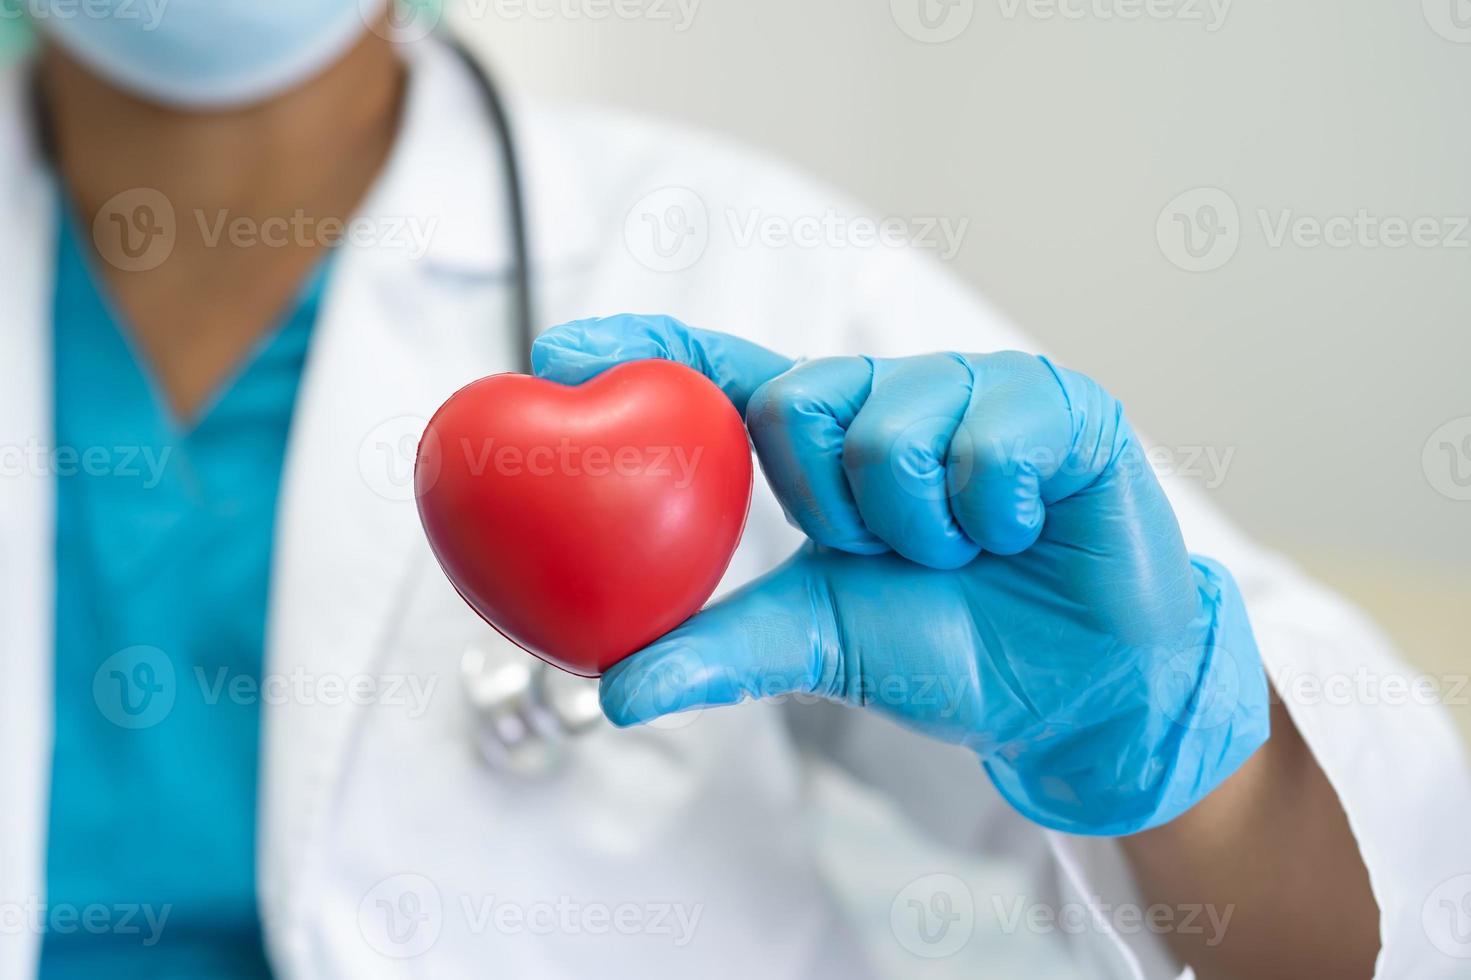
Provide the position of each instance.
(585, 522)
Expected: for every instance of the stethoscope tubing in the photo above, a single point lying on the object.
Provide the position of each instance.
(522, 307)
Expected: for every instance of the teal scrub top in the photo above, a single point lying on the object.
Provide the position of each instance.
(163, 554)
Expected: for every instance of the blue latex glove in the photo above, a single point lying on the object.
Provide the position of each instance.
(993, 563)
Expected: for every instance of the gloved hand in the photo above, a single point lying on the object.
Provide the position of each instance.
(992, 563)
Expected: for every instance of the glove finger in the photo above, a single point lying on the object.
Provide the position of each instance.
(763, 641)
(1047, 453)
(574, 352)
(896, 453)
(798, 422)
(1009, 451)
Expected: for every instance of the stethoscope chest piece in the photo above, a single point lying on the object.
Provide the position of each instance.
(525, 712)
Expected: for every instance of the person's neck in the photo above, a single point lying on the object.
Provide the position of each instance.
(307, 149)
(230, 178)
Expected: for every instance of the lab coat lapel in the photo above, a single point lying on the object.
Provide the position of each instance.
(402, 327)
(27, 204)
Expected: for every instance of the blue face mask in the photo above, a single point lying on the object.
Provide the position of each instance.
(206, 54)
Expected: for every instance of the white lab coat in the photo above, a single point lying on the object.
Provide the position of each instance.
(739, 819)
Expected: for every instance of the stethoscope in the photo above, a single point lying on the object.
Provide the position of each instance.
(525, 712)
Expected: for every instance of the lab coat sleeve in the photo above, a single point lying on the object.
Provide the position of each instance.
(1374, 725)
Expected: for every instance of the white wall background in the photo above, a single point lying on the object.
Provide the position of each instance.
(1062, 129)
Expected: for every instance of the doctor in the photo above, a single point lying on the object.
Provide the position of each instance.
(235, 740)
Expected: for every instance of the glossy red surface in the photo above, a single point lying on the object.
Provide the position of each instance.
(585, 522)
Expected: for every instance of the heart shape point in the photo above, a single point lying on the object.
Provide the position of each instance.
(585, 522)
